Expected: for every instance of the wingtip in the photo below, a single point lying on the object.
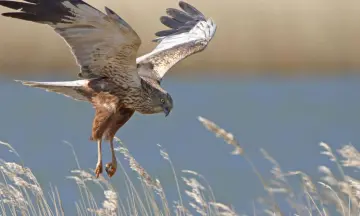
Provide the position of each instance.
(27, 83)
(6, 14)
(20, 81)
(109, 11)
(182, 3)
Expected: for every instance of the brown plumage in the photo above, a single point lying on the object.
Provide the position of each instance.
(113, 79)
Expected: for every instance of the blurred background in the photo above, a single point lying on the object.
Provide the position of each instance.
(281, 75)
(284, 36)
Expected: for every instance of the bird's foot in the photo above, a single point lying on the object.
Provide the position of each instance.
(111, 168)
(98, 169)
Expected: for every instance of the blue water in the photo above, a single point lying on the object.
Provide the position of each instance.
(286, 116)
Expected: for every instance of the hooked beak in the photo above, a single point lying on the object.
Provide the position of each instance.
(166, 111)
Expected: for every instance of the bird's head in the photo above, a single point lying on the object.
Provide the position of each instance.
(163, 102)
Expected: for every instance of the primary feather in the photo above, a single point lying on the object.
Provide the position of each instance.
(190, 32)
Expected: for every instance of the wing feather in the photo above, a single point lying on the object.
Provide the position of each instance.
(73, 89)
(191, 10)
(104, 45)
(178, 15)
(190, 32)
(170, 22)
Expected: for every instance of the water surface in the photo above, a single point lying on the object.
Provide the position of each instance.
(286, 116)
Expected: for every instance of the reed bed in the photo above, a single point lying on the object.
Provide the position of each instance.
(21, 193)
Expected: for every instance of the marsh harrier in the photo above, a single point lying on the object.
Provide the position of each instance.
(113, 79)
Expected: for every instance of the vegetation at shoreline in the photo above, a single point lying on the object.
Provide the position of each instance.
(21, 193)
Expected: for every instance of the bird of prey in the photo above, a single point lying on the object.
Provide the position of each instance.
(112, 78)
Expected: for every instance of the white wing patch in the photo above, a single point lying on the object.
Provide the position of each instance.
(201, 33)
(174, 48)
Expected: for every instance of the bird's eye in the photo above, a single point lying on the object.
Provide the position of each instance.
(162, 100)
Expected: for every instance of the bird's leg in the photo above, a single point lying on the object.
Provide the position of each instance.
(98, 169)
(111, 167)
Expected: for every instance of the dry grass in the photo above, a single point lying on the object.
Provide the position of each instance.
(21, 194)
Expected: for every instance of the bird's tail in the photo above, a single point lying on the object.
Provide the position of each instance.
(73, 89)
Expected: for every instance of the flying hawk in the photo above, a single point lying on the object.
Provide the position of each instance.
(113, 79)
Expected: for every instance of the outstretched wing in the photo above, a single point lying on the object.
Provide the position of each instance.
(190, 33)
(104, 44)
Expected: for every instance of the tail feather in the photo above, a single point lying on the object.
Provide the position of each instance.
(73, 89)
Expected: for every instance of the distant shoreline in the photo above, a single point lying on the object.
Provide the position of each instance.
(288, 37)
